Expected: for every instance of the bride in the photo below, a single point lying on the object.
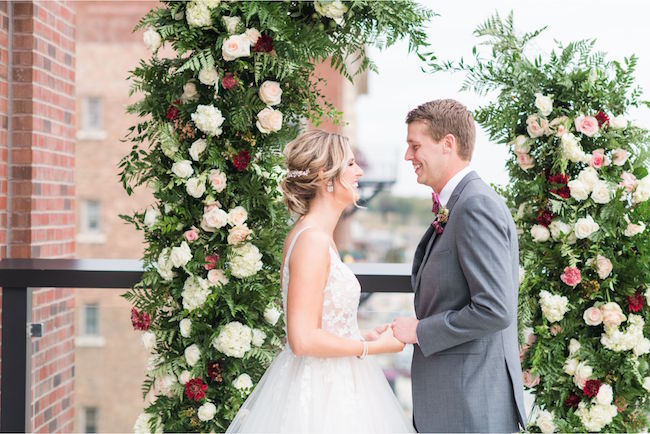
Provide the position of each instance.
(322, 380)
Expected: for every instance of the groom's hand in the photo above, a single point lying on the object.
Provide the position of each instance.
(405, 329)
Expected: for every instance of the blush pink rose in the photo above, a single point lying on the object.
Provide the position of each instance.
(587, 125)
(530, 381)
(628, 182)
(597, 158)
(525, 161)
(571, 276)
(191, 235)
(620, 156)
(211, 261)
(555, 329)
(612, 314)
(534, 128)
(593, 316)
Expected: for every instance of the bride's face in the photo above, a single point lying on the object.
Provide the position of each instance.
(348, 190)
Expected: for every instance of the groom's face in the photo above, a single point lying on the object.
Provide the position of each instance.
(425, 154)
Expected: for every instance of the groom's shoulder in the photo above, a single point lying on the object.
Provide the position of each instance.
(478, 195)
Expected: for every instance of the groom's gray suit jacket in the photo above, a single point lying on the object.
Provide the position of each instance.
(466, 372)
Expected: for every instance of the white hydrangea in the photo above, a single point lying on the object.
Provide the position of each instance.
(208, 119)
(553, 306)
(141, 425)
(152, 39)
(258, 337)
(646, 383)
(195, 292)
(642, 192)
(198, 14)
(231, 23)
(247, 261)
(165, 265)
(571, 148)
(210, 4)
(149, 341)
(331, 9)
(234, 340)
(596, 417)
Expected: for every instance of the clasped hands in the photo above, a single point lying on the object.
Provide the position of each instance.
(396, 335)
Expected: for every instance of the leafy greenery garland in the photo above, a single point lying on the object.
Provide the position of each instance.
(214, 119)
(579, 190)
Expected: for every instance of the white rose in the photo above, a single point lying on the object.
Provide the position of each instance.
(190, 94)
(579, 190)
(588, 176)
(618, 122)
(540, 233)
(208, 119)
(207, 411)
(605, 394)
(270, 92)
(195, 292)
(186, 327)
(231, 24)
(234, 340)
(544, 422)
(269, 120)
(198, 15)
(544, 104)
(236, 46)
(197, 148)
(238, 234)
(642, 192)
(571, 148)
(149, 341)
(184, 377)
(192, 354)
(152, 39)
(570, 366)
(217, 277)
(151, 216)
(634, 229)
(583, 372)
(217, 180)
(603, 266)
(593, 316)
(585, 227)
(208, 76)
(559, 228)
(142, 424)
(181, 255)
(258, 337)
(183, 169)
(601, 193)
(574, 347)
(214, 219)
(253, 35)
(646, 383)
(237, 216)
(271, 314)
(243, 383)
(165, 264)
(246, 261)
(195, 187)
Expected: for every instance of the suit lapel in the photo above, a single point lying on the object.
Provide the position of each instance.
(422, 260)
(419, 254)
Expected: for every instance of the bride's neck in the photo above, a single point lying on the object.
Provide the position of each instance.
(323, 214)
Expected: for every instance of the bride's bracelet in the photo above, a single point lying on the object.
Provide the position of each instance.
(364, 353)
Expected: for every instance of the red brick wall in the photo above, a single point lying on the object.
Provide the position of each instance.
(4, 105)
(42, 187)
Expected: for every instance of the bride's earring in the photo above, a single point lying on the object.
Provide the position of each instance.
(330, 187)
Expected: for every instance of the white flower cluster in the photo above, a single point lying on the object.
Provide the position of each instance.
(152, 39)
(142, 424)
(198, 12)
(165, 265)
(572, 150)
(208, 119)
(243, 383)
(580, 371)
(246, 261)
(585, 227)
(192, 354)
(331, 9)
(181, 255)
(258, 337)
(642, 191)
(560, 229)
(588, 182)
(553, 306)
(544, 104)
(234, 340)
(272, 314)
(195, 292)
(630, 339)
(213, 218)
(544, 422)
(598, 415)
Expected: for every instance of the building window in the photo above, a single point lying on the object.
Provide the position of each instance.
(90, 419)
(92, 119)
(91, 320)
(90, 217)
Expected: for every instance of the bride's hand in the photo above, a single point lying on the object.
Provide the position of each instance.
(375, 333)
(389, 343)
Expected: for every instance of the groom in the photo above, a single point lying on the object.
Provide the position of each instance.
(465, 372)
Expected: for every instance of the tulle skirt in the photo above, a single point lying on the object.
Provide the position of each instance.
(309, 395)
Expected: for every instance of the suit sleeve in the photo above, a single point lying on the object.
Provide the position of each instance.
(485, 256)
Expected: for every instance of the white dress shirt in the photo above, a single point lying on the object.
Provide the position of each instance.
(448, 189)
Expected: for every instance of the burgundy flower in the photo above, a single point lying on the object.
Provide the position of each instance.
(591, 388)
(572, 401)
(563, 192)
(211, 261)
(241, 160)
(215, 371)
(560, 178)
(544, 217)
(635, 302)
(559, 185)
(172, 113)
(140, 320)
(437, 227)
(602, 118)
(229, 81)
(195, 389)
(264, 44)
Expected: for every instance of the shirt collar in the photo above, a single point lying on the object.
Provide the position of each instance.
(448, 189)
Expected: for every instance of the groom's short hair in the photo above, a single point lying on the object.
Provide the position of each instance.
(447, 116)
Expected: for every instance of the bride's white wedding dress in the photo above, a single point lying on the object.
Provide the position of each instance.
(333, 394)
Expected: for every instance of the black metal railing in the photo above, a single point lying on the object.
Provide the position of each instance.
(17, 276)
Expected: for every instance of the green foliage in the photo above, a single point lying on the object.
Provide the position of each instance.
(166, 156)
(578, 82)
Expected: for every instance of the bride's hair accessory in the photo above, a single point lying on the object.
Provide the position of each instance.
(297, 173)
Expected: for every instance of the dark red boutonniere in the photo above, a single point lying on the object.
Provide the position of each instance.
(442, 214)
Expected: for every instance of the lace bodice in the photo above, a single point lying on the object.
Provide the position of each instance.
(340, 298)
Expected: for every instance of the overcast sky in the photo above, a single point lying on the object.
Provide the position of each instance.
(620, 28)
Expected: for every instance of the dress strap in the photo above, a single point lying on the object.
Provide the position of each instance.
(293, 243)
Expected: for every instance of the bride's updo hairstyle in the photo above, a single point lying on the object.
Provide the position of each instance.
(305, 157)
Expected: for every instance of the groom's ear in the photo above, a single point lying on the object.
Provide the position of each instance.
(449, 144)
